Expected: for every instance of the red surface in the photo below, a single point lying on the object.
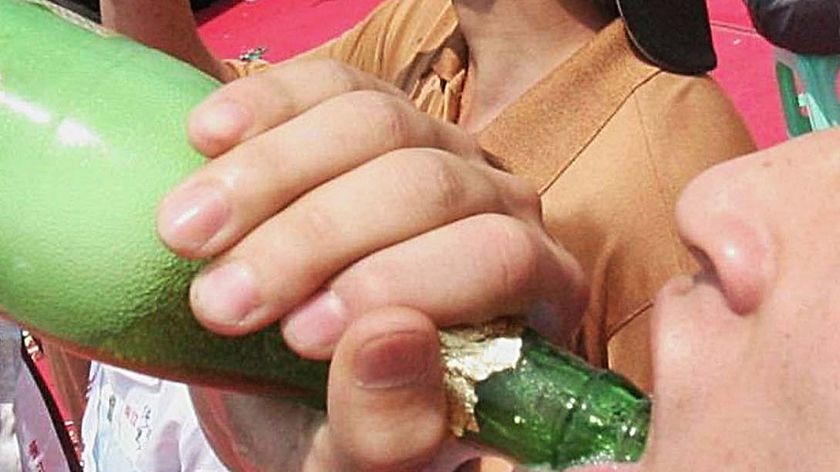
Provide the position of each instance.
(746, 71)
(286, 27)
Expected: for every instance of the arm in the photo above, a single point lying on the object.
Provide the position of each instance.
(168, 26)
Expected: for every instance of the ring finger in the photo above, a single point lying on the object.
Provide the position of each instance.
(292, 254)
(229, 196)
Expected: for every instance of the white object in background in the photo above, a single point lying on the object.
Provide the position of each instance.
(9, 368)
(137, 423)
(9, 451)
(40, 447)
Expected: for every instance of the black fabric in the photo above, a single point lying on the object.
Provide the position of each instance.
(673, 34)
(801, 26)
(609, 6)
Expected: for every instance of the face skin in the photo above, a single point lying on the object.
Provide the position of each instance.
(746, 353)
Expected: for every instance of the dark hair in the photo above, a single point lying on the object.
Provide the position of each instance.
(609, 6)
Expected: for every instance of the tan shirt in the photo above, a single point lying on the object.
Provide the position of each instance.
(607, 139)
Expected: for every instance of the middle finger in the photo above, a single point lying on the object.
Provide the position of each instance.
(229, 196)
(290, 256)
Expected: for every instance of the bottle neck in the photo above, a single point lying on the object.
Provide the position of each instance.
(557, 410)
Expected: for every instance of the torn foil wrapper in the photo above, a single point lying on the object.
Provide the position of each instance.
(471, 355)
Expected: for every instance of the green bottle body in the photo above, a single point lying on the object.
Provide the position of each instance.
(91, 138)
(92, 133)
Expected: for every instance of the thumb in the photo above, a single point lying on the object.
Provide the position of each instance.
(387, 409)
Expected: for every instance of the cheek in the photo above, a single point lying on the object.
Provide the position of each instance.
(800, 359)
(697, 335)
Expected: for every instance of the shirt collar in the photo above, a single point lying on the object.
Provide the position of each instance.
(543, 132)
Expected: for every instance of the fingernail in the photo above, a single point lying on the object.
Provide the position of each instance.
(319, 323)
(222, 120)
(226, 294)
(191, 216)
(395, 360)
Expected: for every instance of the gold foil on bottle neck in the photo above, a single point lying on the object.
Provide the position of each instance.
(471, 355)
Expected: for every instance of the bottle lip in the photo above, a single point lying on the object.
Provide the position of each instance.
(636, 430)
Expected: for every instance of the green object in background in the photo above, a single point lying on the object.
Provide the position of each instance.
(817, 106)
(91, 138)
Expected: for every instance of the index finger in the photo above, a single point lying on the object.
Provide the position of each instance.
(250, 105)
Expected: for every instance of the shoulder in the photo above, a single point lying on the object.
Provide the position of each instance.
(665, 91)
(690, 116)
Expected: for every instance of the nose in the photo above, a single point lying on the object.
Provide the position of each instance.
(719, 217)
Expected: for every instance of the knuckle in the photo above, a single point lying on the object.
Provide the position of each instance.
(339, 75)
(521, 196)
(261, 153)
(516, 251)
(466, 144)
(446, 185)
(317, 226)
(526, 197)
(254, 91)
(571, 280)
(366, 285)
(245, 89)
(240, 88)
(431, 177)
(384, 113)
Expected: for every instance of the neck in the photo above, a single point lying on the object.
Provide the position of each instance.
(513, 44)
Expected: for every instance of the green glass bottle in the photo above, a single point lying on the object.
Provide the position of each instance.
(552, 408)
(91, 138)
